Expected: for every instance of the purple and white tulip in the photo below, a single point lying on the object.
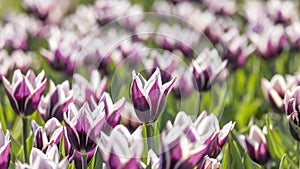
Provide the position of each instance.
(292, 103)
(6, 64)
(256, 145)
(5, 144)
(22, 60)
(122, 149)
(181, 146)
(222, 7)
(84, 125)
(165, 62)
(129, 119)
(49, 159)
(85, 90)
(293, 34)
(274, 90)
(210, 163)
(56, 102)
(208, 69)
(183, 86)
(207, 126)
(74, 155)
(49, 11)
(13, 36)
(149, 97)
(51, 133)
(24, 92)
(282, 11)
(270, 42)
(64, 49)
(235, 48)
(112, 110)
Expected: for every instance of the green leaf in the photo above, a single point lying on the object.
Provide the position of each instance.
(226, 158)
(237, 159)
(98, 161)
(275, 148)
(249, 164)
(282, 161)
(295, 127)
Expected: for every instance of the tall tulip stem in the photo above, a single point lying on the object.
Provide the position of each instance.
(298, 154)
(24, 137)
(150, 134)
(84, 161)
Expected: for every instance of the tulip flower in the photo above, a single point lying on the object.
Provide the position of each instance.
(181, 146)
(108, 11)
(222, 7)
(149, 97)
(235, 48)
(5, 144)
(48, 160)
(51, 133)
(13, 36)
(56, 102)
(167, 36)
(6, 64)
(292, 102)
(293, 34)
(24, 92)
(210, 163)
(208, 128)
(282, 11)
(85, 90)
(122, 149)
(274, 90)
(22, 60)
(166, 63)
(256, 145)
(83, 126)
(270, 42)
(64, 49)
(49, 11)
(129, 119)
(112, 110)
(208, 69)
(74, 155)
(184, 85)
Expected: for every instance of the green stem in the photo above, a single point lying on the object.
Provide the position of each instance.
(24, 119)
(298, 152)
(84, 161)
(150, 132)
(3, 106)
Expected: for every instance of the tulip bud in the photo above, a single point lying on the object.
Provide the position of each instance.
(181, 145)
(274, 90)
(235, 48)
(208, 128)
(210, 163)
(292, 102)
(56, 102)
(149, 97)
(4, 149)
(48, 160)
(282, 11)
(256, 145)
(208, 69)
(270, 42)
(122, 149)
(50, 133)
(83, 126)
(24, 92)
(85, 90)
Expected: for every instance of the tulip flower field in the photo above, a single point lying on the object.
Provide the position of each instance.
(149, 84)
